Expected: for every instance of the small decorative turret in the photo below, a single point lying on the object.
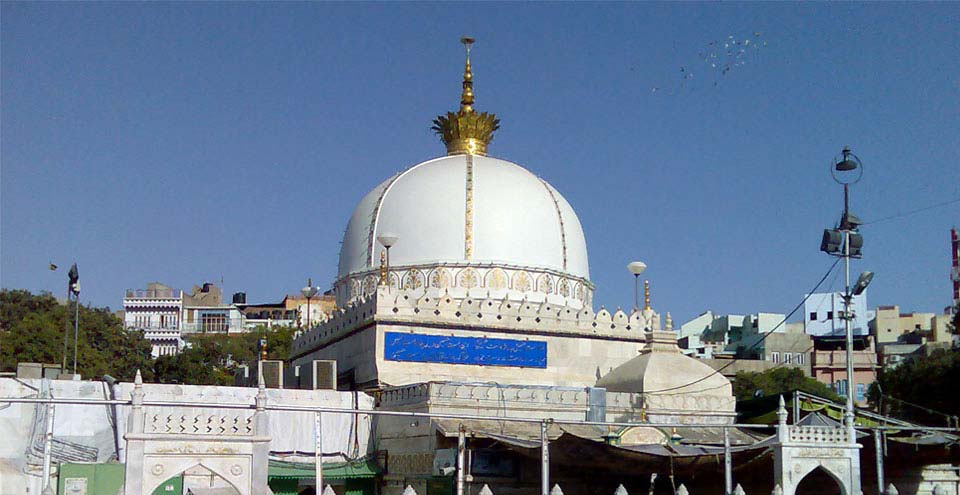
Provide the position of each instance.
(646, 294)
(383, 268)
(466, 131)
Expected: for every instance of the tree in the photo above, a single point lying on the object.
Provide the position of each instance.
(778, 381)
(919, 389)
(213, 359)
(32, 328)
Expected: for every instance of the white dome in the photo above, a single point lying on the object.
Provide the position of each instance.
(518, 222)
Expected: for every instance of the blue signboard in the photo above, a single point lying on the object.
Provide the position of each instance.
(464, 350)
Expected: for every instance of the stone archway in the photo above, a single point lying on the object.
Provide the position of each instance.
(820, 481)
(200, 479)
(801, 450)
(231, 444)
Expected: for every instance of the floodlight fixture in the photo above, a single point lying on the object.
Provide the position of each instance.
(862, 282)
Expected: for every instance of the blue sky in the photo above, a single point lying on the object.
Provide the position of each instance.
(184, 142)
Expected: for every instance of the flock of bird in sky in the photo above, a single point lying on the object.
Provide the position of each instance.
(716, 60)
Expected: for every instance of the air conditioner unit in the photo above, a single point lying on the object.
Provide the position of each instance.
(324, 375)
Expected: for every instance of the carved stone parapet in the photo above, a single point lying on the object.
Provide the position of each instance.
(817, 434)
(226, 424)
(475, 309)
(531, 282)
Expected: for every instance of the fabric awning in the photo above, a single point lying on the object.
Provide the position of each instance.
(362, 469)
(583, 446)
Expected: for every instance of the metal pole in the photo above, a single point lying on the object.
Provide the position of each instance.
(66, 333)
(796, 406)
(76, 329)
(461, 448)
(727, 463)
(851, 383)
(878, 447)
(544, 460)
(318, 455)
(48, 433)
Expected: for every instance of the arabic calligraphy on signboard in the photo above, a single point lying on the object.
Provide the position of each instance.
(464, 350)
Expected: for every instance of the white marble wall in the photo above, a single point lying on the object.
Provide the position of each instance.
(91, 426)
(581, 345)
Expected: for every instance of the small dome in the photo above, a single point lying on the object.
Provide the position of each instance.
(662, 369)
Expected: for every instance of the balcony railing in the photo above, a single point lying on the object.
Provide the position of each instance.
(214, 326)
(839, 358)
(154, 293)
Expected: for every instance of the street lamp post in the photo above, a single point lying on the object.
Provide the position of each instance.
(387, 240)
(845, 241)
(636, 268)
(308, 292)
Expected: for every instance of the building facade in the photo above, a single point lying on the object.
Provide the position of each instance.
(828, 364)
(157, 311)
(823, 315)
(168, 316)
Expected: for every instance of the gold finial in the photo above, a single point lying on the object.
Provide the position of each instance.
(466, 97)
(646, 294)
(466, 131)
(383, 267)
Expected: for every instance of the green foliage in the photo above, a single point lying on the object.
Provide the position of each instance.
(212, 359)
(32, 329)
(918, 387)
(778, 381)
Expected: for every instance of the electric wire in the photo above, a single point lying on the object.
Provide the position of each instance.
(765, 335)
(913, 212)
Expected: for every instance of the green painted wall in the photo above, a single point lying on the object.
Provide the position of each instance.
(104, 479)
(89, 479)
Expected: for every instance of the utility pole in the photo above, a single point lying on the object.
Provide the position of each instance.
(73, 287)
(544, 459)
(727, 463)
(845, 241)
(318, 455)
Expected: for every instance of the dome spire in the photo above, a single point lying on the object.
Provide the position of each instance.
(466, 131)
(466, 97)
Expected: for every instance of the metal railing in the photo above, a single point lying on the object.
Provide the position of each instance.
(544, 441)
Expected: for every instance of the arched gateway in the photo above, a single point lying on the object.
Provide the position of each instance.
(233, 445)
(800, 450)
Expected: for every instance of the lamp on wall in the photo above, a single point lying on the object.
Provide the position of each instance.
(387, 240)
(636, 268)
(308, 292)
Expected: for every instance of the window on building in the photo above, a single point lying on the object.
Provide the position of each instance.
(861, 391)
(214, 323)
(840, 386)
(799, 358)
(787, 358)
(829, 315)
(775, 357)
(813, 316)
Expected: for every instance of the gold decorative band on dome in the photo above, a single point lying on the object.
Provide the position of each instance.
(466, 131)
(468, 212)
